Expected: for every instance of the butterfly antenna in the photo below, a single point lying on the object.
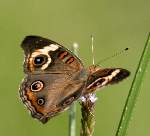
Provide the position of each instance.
(92, 46)
(112, 56)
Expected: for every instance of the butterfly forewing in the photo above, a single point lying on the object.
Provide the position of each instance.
(99, 77)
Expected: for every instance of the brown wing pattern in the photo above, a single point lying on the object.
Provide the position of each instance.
(99, 77)
(55, 77)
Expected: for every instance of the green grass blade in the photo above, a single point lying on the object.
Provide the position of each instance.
(72, 120)
(72, 110)
(134, 90)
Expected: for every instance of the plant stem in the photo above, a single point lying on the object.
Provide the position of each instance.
(134, 90)
(88, 118)
(72, 110)
(72, 120)
(87, 107)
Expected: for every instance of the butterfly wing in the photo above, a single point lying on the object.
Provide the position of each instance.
(46, 56)
(55, 77)
(99, 77)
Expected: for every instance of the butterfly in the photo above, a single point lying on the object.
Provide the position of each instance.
(55, 77)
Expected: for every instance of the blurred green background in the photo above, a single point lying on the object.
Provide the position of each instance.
(115, 25)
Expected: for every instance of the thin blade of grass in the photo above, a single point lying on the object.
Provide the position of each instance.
(72, 110)
(72, 120)
(134, 90)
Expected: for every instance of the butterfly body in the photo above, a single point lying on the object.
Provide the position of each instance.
(55, 77)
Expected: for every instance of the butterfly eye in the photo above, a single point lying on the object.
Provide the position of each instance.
(40, 60)
(41, 101)
(37, 86)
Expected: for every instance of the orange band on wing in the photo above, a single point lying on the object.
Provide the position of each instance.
(63, 55)
(70, 60)
(33, 100)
